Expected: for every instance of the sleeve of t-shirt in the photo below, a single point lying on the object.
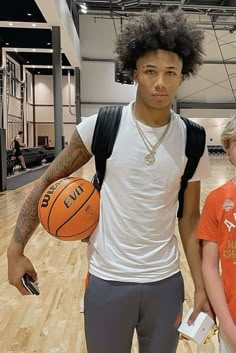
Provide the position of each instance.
(203, 168)
(208, 224)
(86, 129)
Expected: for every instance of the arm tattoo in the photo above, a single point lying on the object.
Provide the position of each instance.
(68, 161)
(28, 218)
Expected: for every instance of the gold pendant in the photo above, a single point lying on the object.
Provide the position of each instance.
(150, 158)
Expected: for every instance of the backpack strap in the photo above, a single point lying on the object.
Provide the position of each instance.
(104, 136)
(195, 146)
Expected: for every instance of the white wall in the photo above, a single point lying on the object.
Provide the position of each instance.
(211, 85)
(98, 84)
(29, 89)
(208, 113)
(44, 107)
(30, 134)
(97, 37)
(97, 77)
(45, 130)
(46, 114)
(68, 131)
(213, 121)
(29, 112)
(14, 107)
(44, 90)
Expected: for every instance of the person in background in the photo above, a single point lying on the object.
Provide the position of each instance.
(217, 229)
(17, 143)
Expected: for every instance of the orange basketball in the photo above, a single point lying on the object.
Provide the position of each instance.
(69, 208)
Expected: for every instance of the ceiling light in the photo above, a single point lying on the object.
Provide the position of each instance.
(83, 7)
(34, 25)
(34, 50)
(29, 14)
(10, 24)
(6, 43)
(38, 72)
(48, 43)
(16, 50)
(27, 62)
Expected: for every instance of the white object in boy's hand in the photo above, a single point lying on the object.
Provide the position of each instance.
(199, 329)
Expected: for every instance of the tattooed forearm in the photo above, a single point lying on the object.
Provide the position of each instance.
(28, 217)
(67, 162)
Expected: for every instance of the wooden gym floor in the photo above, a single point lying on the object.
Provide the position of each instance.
(52, 322)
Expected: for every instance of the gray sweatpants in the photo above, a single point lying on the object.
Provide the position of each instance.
(113, 310)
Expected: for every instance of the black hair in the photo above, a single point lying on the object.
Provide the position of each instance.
(20, 132)
(166, 30)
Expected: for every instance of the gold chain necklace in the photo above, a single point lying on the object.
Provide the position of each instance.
(150, 157)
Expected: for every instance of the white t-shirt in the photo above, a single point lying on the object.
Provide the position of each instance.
(134, 240)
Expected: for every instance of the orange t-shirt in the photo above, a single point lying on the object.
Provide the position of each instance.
(218, 224)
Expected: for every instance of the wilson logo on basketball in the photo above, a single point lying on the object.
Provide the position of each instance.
(73, 197)
(69, 208)
(50, 191)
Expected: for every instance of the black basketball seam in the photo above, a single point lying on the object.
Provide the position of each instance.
(74, 235)
(72, 181)
(76, 211)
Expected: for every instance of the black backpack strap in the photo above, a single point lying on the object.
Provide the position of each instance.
(104, 136)
(195, 146)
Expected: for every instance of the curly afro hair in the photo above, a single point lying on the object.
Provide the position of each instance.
(166, 30)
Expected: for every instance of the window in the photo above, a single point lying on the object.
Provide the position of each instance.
(11, 78)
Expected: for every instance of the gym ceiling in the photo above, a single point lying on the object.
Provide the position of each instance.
(25, 31)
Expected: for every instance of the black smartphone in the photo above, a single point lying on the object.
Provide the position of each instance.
(30, 285)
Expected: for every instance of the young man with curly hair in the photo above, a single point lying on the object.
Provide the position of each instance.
(135, 281)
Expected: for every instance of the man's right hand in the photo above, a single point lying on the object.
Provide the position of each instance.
(67, 162)
(17, 267)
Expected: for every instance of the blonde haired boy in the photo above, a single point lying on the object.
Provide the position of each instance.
(217, 229)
